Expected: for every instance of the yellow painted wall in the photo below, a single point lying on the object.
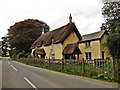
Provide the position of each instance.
(94, 49)
(55, 49)
(72, 38)
(97, 46)
(47, 50)
(104, 47)
(58, 48)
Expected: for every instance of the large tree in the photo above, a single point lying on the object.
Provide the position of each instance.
(22, 34)
(111, 13)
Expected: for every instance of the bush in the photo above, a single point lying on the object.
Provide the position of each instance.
(104, 76)
(93, 73)
(30, 56)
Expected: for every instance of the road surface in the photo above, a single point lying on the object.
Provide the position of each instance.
(18, 75)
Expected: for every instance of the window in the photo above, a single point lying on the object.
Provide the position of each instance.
(87, 44)
(88, 55)
(53, 56)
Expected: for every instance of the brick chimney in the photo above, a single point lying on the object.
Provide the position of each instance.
(70, 18)
(103, 27)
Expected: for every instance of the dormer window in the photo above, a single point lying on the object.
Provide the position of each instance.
(87, 44)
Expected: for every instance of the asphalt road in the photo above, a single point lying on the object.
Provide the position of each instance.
(18, 75)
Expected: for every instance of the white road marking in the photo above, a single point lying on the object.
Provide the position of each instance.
(14, 68)
(30, 83)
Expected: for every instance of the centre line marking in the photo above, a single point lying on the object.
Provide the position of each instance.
(14, 68)
(30, 83)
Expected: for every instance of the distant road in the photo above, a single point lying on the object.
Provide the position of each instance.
(18, 75)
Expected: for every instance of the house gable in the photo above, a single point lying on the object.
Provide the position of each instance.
(96, 41)
(72, 38)
(55, 49)
(94, 49)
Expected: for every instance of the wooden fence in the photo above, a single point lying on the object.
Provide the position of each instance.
(86, 67)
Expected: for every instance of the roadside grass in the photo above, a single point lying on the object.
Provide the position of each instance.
(87, 70)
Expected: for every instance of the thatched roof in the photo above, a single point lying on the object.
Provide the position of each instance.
(56, 36)
(71, 49)
(40, 51)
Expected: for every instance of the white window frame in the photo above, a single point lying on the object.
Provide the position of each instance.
(87, 44)
(88, 55)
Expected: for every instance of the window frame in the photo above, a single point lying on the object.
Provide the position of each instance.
(88, 44)
(88, 55)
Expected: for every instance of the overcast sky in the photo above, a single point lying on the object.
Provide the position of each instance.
(86, 13)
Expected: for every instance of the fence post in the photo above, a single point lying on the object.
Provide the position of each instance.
(62, 64)
(83, 69)
(49, 62)
(96, 65)
(86, 65)
(103, 66)
(33, 61)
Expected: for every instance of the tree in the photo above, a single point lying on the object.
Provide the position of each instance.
(111, 13)
(4, 46)
(22, 34)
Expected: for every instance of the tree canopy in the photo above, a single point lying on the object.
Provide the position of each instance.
(111, 13)
(22, 34)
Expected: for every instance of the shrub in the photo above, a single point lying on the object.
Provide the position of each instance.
(93, 73)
